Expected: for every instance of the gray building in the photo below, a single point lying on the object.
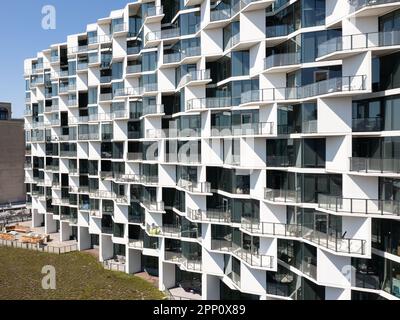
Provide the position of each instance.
(12, 153)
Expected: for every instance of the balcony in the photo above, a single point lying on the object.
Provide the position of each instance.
(250, 257)
(282, 195)
(82, 65)
(348, 45)
(119, 28)
(389, 208)
(330, 242)
(153, 11)
(283, 62)
(194, 187)
(210, 215)
(138, 91)
(249, 129)
(367, 7)
(154, 109)
(344, 85)
(198, 77)
(368, 124)
(69, 218)
(192, 264)
(136, 178)
(136, 243)
(153, 206)
(375, 165)
(209, 103)
(132, 69)
(106, 96)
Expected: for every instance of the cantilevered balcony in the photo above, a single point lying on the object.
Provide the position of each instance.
(153, 11)
(198, 77)
(340, 85)
(248, 129)
(250, 257)
(368, 124)
(283, 62)
(375, 165)
(209, 103)
(210, 215)
(282, 195)
(194, 187)
(136, 178)
(189, 262)
(153, 110)
(365, 8)
(348, 45)
(375, 207)
(331, 242)
(133, 69)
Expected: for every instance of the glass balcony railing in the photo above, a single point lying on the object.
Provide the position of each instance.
(331, 242)
(188, 263)
(136, 68)
(368, 124)
(210, 215)
(251, 257)
(334, 85)
(199, 75)
(153, 11)
(375, 165)
(248, 129)
(209, 103)
(359, 206)
(191, 186)
(359, 41)
(153, 109)
(279, 30)
(282, 59)
(282, 195)
(133, 50)
(359, 4)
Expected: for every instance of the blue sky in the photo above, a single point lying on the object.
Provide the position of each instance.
(22, 36)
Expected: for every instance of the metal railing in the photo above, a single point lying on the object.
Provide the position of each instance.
(375, 165)
(331, 242)
(339, 84)
(359, 206)
(39, 247)
(251, 257)
(114, 266)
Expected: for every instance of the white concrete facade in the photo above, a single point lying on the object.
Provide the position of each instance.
(140, 143)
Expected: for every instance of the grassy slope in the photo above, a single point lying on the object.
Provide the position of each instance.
(79, 277)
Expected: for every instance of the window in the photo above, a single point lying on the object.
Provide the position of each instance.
(240, 63)
(149, 61)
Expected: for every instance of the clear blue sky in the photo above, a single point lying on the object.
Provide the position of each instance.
(22, 36)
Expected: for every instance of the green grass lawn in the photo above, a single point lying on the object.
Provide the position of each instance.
(79, 276)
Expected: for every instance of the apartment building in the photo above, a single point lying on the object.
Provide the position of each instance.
(234, 149)
(12, 155)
